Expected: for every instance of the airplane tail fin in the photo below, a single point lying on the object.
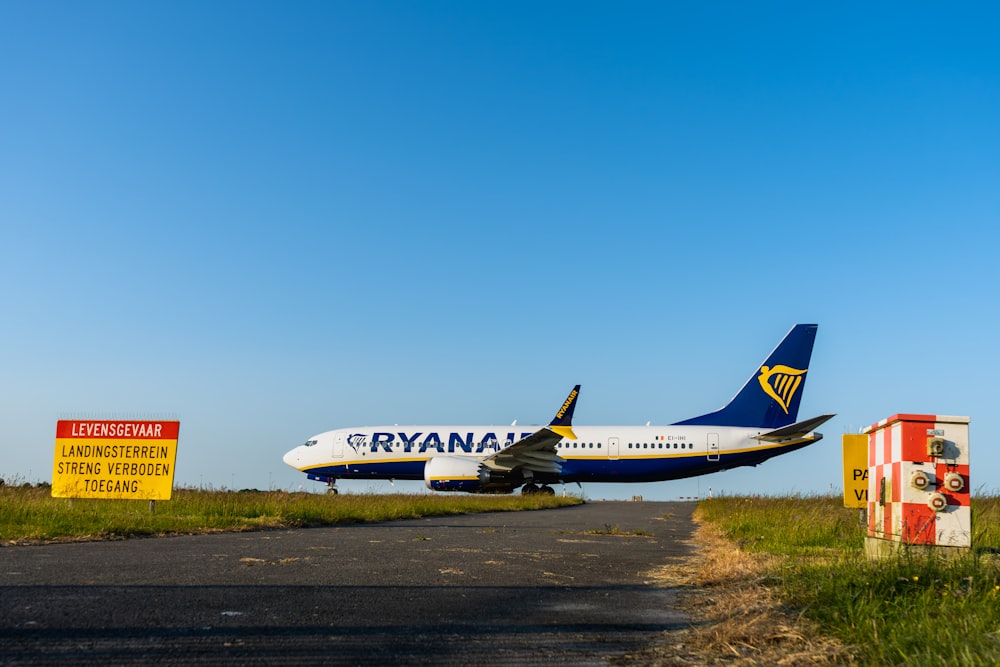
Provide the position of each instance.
(770, 397)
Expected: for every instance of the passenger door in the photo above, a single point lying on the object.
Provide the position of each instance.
(713, 446)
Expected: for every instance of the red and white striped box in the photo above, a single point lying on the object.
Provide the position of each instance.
(918, 480)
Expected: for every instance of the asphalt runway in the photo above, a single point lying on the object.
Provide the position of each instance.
(518, 588)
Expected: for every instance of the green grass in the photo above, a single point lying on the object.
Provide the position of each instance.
(907, 610)
(30, 514)
(617, 531)
(791, 525)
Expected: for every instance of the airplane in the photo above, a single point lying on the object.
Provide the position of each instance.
(759, 423)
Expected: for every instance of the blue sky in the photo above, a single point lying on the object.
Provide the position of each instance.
(273, 219)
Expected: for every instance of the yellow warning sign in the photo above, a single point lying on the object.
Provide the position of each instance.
(855, 470)
(119, 459)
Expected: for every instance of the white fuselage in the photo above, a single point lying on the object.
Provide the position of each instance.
(599, 453)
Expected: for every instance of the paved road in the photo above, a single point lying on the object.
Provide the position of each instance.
(520, 588)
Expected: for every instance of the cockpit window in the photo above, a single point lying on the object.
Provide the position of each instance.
(310, 443)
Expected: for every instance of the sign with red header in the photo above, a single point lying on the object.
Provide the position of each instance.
(118, 459)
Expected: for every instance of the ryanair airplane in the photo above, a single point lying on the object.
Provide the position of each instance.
(757, 424)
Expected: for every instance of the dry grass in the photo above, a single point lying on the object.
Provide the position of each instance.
(736, 620)
(784, 581)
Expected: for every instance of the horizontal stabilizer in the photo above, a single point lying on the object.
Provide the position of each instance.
(796, 430)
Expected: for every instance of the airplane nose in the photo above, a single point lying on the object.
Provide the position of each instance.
(292, 458)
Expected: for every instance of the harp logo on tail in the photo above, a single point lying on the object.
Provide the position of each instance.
(781, 383)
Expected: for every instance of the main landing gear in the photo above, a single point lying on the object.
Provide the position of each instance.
(532, 490)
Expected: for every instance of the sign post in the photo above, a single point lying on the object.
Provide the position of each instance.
(115, 459)
(855, 470)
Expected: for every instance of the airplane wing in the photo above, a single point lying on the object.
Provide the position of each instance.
(795, 431)
(537, 452)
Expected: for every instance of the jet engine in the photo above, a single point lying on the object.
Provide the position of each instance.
(454, 473)
(461, 473)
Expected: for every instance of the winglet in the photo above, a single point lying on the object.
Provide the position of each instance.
(562, 423)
